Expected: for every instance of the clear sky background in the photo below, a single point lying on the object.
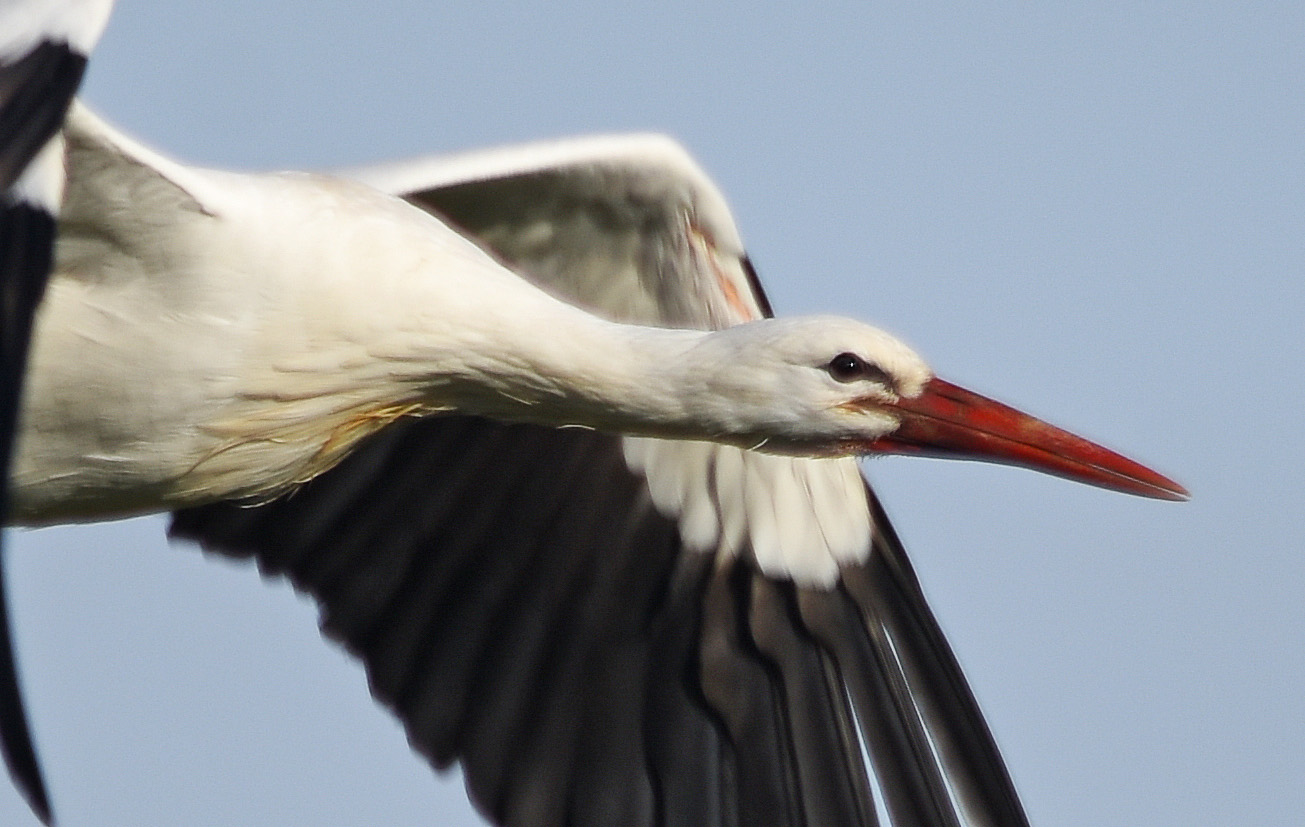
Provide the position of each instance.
(1095, 213)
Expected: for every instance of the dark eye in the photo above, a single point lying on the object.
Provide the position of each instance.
(848, 367)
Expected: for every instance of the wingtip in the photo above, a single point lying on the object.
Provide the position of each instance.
(15, 735)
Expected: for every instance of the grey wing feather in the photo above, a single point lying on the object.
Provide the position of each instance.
(629, 227)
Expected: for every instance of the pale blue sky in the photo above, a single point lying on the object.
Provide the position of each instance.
(1097, 214)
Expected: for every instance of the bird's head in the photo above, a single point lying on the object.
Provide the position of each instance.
(828, 385)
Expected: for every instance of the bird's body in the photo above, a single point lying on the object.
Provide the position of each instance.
(688, 609)
(209, 336)
(224, 323)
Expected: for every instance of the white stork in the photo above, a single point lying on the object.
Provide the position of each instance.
(668, 615)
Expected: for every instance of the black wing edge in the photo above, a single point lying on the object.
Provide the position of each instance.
(959, 737)
(35, 92)
(522, 607)
(26, 243)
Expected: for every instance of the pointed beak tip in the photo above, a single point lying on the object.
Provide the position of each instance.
(1171, 491)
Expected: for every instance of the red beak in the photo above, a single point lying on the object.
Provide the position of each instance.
(949, 421)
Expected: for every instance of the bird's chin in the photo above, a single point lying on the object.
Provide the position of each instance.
(821, 447)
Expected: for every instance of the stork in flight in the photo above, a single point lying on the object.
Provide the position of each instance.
(690, 610)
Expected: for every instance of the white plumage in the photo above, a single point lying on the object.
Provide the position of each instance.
(715, 629)
(75, 23)
(275, 320)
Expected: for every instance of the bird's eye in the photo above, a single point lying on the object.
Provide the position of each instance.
(848, 367)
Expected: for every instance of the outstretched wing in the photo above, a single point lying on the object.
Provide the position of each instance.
(44, 45)
(614, 631)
